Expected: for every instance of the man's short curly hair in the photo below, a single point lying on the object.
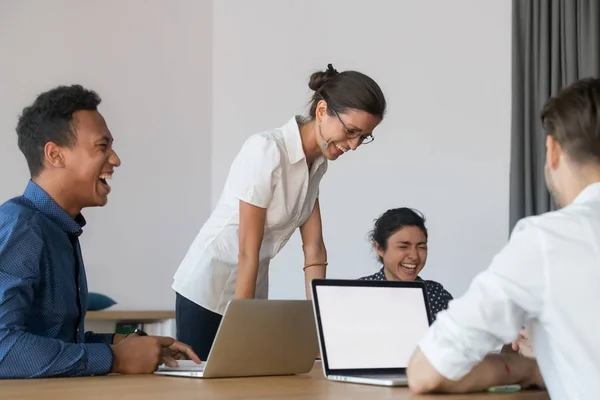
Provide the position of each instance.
(50, 119)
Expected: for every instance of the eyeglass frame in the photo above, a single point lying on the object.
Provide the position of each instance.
(351, 135)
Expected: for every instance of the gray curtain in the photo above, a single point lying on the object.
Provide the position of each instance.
(554, 43)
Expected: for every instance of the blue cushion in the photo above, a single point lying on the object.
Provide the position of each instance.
(97, 301)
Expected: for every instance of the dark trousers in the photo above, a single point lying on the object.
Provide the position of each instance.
(196, 326)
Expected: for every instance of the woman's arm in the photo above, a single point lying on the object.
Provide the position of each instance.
(252, 226)
(314, 248)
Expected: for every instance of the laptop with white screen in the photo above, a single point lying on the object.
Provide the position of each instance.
(368, 330)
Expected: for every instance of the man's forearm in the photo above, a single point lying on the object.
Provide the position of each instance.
(493, 370)
(33, 356)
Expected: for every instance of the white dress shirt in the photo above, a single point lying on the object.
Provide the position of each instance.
(547, 278)
(271, 172)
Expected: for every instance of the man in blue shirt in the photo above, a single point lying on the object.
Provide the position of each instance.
(43, 287)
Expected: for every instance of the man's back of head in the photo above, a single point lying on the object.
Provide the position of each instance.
(571, 120)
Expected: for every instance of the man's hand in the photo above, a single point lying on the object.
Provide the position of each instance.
(143, 354)
(178, 351)
(522, 345)
(118, 337)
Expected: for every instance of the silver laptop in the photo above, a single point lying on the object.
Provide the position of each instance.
(258, 338)
(368, 330)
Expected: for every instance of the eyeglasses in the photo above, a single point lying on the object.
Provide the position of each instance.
(352, 134)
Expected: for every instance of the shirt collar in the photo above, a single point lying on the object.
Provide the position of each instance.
(293, 142)
(291, 138)
(591, 192)
(49, 208)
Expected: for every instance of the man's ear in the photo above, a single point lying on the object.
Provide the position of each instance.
(553, 152)
(53, 155)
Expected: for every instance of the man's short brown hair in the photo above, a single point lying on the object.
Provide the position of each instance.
(572, 117)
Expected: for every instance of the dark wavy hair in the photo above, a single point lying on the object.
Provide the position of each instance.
(392, 221)
(50, 119)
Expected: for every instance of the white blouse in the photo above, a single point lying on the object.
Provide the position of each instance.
(271, 172)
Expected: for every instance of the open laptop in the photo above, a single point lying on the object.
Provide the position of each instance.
(368, 330)
(258, 338)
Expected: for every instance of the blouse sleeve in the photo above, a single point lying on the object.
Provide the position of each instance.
(254, 171)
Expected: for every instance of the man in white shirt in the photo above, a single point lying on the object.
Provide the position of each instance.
(547, 279)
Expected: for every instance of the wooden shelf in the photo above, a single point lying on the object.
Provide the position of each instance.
(137, 316)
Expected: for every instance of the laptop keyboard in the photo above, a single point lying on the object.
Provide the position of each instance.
(184, 365)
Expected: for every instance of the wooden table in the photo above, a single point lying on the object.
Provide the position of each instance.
(148, 387)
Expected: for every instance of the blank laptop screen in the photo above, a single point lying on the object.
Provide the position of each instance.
(371, 327)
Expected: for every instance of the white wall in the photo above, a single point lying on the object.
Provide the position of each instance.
(444, 147)
(150, 61)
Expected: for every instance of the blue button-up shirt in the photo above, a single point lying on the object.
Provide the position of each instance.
(43, 293)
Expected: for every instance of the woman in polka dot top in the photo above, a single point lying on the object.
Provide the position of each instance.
(400, 239)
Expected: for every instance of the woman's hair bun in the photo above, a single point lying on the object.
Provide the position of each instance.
(319, 78)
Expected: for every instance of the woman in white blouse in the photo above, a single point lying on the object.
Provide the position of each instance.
(271, 190)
